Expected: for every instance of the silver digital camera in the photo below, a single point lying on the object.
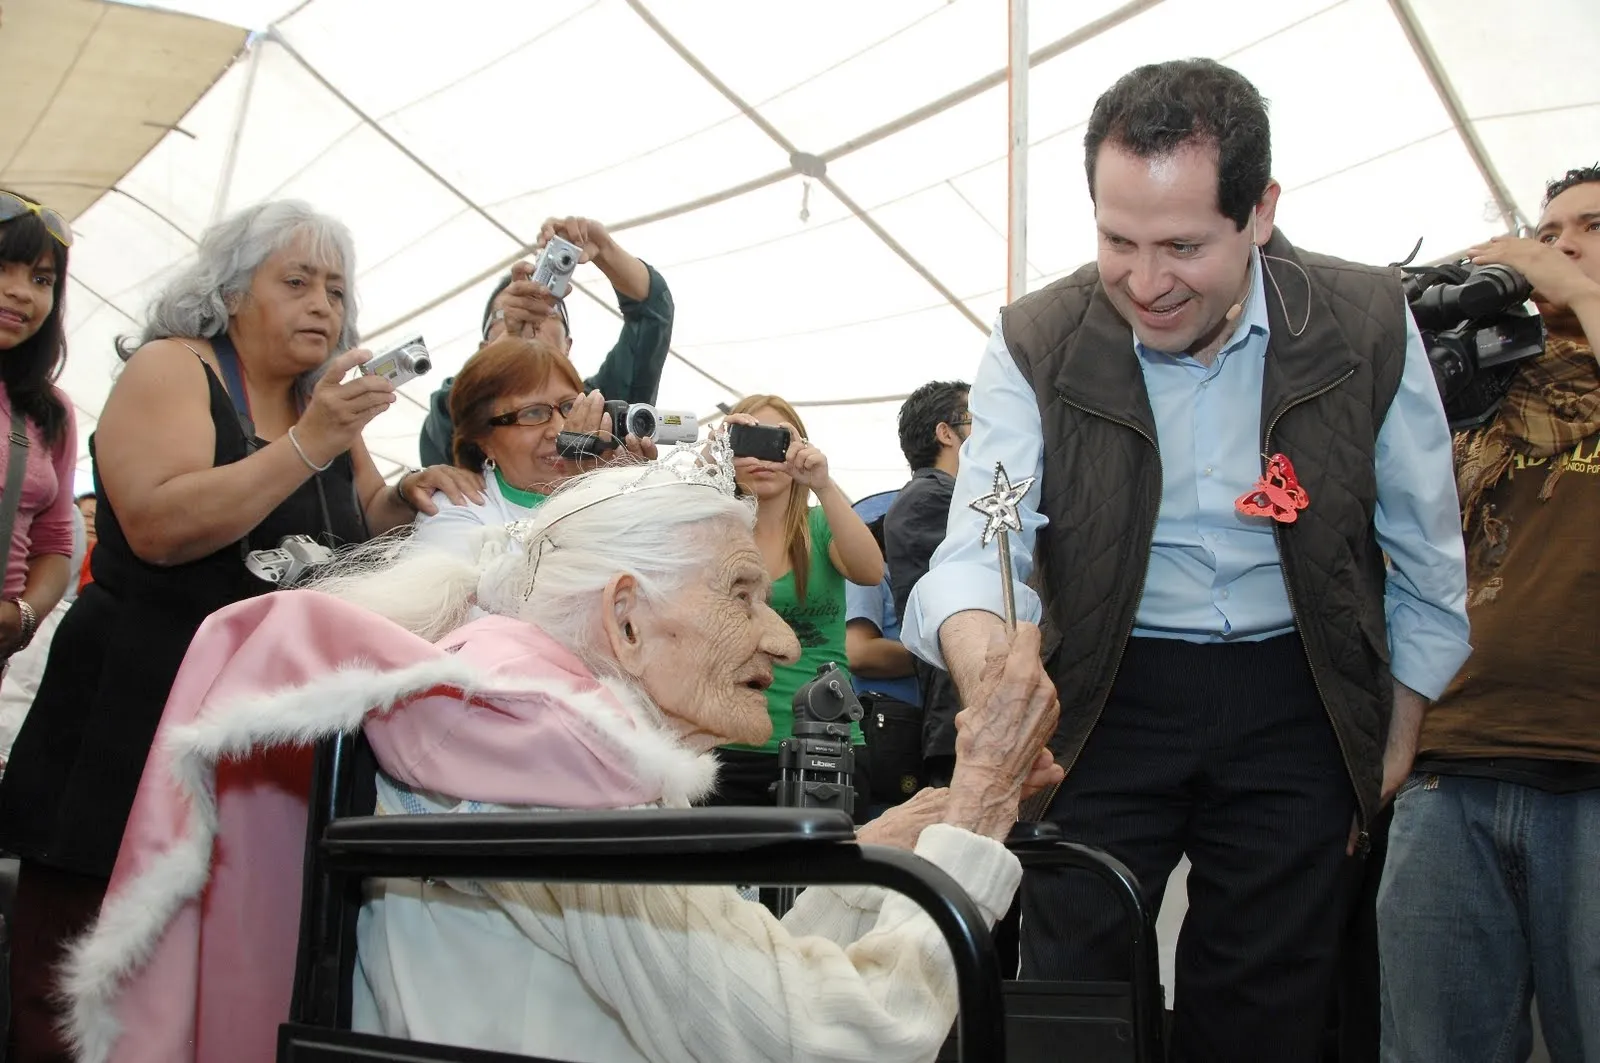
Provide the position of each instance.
(295, 556)
(556, 264)
(401, 364)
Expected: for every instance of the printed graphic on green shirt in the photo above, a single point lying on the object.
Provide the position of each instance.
(818, 623)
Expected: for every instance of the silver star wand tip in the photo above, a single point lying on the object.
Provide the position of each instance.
(1000, 507)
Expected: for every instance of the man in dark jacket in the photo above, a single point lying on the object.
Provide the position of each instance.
(631, 371)
(1229, 436)
(933, 424)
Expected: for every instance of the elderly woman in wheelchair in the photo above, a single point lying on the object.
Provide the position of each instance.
(592, 660)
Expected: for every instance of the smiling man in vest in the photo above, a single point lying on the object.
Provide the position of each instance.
(1242, 677)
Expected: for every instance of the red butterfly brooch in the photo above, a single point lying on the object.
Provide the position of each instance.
(1277, 494)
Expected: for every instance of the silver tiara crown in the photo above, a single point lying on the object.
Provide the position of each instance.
(699, 464)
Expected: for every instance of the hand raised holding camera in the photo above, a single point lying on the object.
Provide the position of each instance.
(339, 411)
(522, 308)
(586, 233)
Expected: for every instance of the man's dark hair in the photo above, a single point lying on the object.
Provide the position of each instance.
(502, 285)
(935, 403)
(1583, 175)
(1157, 109)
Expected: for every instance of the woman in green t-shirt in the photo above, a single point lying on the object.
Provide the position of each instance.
(809, 553)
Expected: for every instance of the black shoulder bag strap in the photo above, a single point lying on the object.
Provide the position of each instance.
(16, 469)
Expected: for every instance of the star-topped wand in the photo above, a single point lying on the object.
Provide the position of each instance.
(1001, 509)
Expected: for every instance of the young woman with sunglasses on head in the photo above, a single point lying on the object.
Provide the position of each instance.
(37, 502)
(809, 552)
(508, 404)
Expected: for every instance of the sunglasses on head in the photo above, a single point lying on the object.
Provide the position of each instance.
(533, 416)
(13, 207)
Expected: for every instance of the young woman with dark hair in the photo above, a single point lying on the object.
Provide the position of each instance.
(37, 504)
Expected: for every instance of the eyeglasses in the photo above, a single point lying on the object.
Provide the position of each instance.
(960, 424)
(533, 416)
(13, 207)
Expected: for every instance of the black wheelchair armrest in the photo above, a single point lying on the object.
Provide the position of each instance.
(700, 846)
(555, 834)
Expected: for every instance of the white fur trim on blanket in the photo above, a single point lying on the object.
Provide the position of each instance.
(132, 921)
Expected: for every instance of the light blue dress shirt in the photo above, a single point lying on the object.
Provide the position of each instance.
(877, 605)
(1214, 575)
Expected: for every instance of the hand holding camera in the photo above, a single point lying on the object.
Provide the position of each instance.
(339, 411)
(522, 307)
(777, 448)
(1557, 281)
(586, 234)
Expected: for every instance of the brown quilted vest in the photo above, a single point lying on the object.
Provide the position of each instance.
(1324, 396)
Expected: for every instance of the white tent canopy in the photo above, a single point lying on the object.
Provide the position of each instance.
(444, 135)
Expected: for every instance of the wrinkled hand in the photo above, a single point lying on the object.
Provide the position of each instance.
(1557, 281)
(1005, 726)
(522, 308)
(338, 411)
(1015, 709)
(1043, 774)
(460, 486)
(902, 825)
(585, 232)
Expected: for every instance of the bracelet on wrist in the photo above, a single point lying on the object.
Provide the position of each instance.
(313, 466)
(30, 621)
(400, 494)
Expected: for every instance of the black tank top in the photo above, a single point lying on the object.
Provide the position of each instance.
(75, 767)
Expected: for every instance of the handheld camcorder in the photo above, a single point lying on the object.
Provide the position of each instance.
(817, 762)
(637, 419)
(1477, 328)
(555, 266)
(287, 565)
(646, 422)
(402, 364)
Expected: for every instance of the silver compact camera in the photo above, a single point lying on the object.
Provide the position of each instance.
(401, 364)
(556, 264)
(295, 556)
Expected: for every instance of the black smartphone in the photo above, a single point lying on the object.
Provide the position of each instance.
(764, 441)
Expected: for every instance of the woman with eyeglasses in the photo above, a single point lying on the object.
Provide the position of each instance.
(231, 428)
(508, 404)
(38, 461)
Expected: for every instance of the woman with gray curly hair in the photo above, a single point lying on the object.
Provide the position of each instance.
(229, 429)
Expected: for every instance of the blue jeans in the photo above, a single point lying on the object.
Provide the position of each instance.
(1491, 897)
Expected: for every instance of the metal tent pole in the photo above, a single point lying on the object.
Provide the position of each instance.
(1017, 155)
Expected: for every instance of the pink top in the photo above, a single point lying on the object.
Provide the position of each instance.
(44, 519)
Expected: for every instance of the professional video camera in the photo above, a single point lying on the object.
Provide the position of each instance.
(818, 763)
(1477, 328)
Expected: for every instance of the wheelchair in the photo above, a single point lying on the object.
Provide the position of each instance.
(346, 845)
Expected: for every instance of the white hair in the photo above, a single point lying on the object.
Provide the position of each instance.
(550, 569)
(196, 301)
